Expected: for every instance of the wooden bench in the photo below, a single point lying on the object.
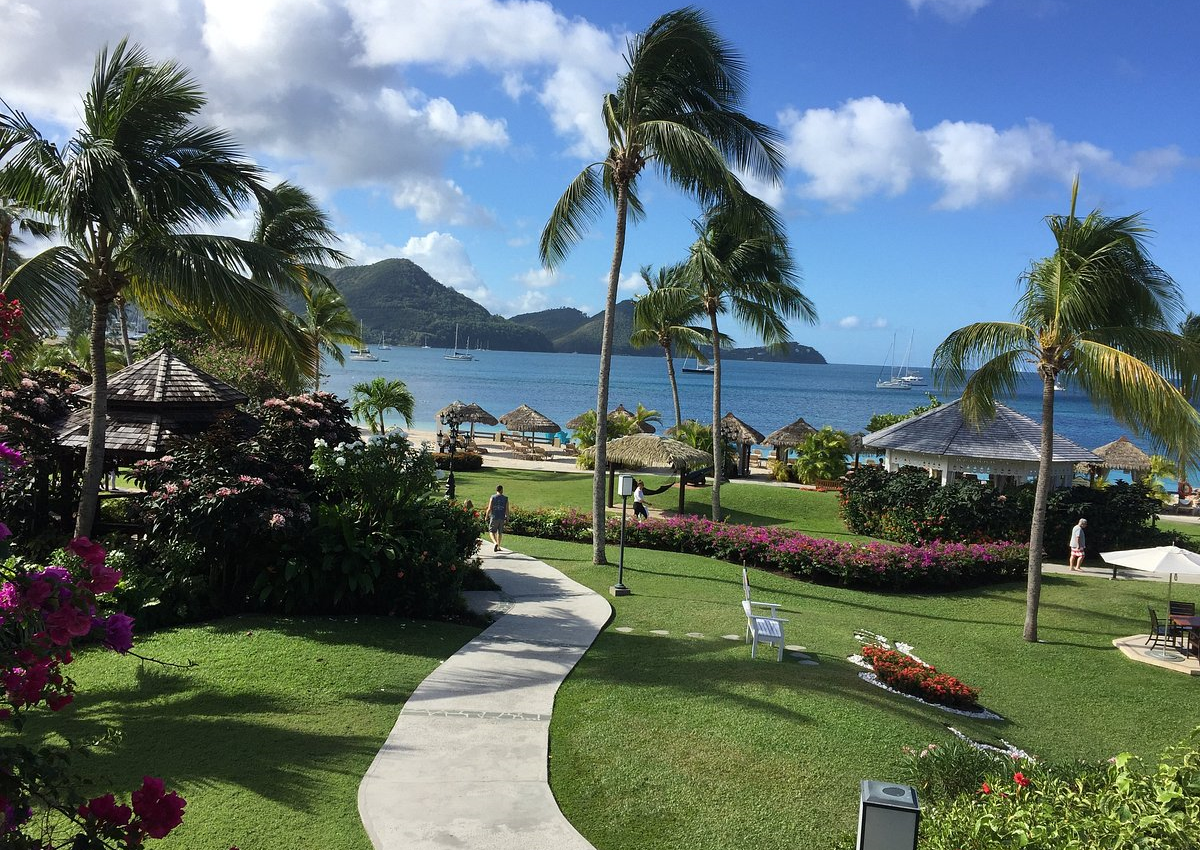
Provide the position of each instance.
(760, 629)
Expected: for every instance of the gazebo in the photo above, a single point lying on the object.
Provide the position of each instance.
(150, 401)
(745, 436)
(788, 437)
(472, 413)
(1006, 448)
(651, 450)
(1123, 455)
(526, 419)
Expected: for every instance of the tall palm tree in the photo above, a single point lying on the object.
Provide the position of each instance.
(370, 400)
(664, 322)
(126, 192)
(741, 264)
(326, 324)
(1099, 312)
(677, 109)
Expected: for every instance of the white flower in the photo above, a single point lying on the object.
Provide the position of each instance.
(320, 444)
(339, 447)
(340, 461)
(312, 466)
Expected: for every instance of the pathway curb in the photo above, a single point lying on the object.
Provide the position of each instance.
(466, 764)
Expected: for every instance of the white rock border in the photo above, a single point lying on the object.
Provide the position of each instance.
(871, 679)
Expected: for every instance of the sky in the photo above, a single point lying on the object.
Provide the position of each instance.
(926, 140)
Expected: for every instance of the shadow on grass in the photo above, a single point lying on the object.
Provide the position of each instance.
(386, 634)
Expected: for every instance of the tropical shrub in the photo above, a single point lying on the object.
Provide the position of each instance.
(781, 470)
(1120, 805)
(941, 772)
(874, 565)
(463, 461)
(909, 675)
(288, 427)
(822, 456)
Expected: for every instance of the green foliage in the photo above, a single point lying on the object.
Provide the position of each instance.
(223, 359)
(782, 470)
(882, 420)
(1121, 516)
(822, 456)
(371, 400)
(1120, 805)
(942, 772)
(463, 461)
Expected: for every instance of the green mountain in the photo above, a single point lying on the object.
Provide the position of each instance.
(795, 353)
(585, 339)
(399, 298)
(554, 323)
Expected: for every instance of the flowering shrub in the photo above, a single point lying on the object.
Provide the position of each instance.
(288, 427)
(44, 611)
(912, 676)
(853, 564)
(1118, 805)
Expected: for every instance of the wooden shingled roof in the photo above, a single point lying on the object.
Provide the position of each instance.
(164, 378)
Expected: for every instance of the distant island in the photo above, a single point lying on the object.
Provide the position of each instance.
(398, 301)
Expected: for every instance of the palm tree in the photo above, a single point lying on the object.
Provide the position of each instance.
(644, 416)
(1098, 311)
(370, 400)
(664, 322)
(125, 192)
(327, 323)
(741, 265)
(676, 108)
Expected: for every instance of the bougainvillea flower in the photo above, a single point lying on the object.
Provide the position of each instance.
(103, 578)
(91, 553)
(159, 812)
(107, 810)
(118, 632)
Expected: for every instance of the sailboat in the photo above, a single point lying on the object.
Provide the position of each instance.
(456, 354)
(363, 353)
(892, 380)
(907, 375)
(696, 368)
(383, 344)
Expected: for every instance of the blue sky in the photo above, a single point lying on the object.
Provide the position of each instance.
(926, 139)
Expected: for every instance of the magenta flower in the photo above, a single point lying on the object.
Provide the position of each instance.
(91, 553)
(159, 812)
(118, 632)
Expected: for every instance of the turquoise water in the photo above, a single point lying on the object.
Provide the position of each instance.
(764, 395)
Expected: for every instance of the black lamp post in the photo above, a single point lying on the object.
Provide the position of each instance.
(625, 488)
(452, 420)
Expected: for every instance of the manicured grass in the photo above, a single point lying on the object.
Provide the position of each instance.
(752, 504)
(270, 735)
(677, 742)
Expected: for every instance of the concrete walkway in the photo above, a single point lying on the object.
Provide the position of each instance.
(466, 764)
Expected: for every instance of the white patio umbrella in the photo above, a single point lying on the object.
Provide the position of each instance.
(1158, 559)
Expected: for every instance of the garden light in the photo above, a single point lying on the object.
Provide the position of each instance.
(888, 816)
(625, 490)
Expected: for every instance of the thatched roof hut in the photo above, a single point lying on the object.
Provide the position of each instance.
(1123, 455)
(647, 451)
(745, 436)
(788, 437)
(526, 419)
(472, 413)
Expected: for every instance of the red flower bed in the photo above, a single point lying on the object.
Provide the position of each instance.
(910, 676)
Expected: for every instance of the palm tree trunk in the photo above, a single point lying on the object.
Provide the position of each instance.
(1041, 499)
(606, 341)
(93, 461)
(718, 454)
(123, 319)
(674, 388)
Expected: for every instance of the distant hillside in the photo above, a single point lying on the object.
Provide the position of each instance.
(554, 323)
(399, 298)
(585, 339)
(796, 353)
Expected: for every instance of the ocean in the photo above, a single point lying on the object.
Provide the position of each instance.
(764, 395)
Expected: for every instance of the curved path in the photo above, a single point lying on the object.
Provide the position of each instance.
(466, 764)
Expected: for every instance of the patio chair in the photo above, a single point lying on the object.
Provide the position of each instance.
(767, 630)
(1160, 632)
(774, 606)
(1185, 634)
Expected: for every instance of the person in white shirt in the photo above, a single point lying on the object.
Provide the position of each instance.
(1078, 546)
(639, 500)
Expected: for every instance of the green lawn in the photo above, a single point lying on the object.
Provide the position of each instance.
(270, 735)
(677, 742)
(752, 504)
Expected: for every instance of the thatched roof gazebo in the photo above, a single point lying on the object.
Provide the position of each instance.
(527, 420)
(788, 437)
(745, 436)
(150, 401)
(1123, 455)
(472, 413)
(647, 451)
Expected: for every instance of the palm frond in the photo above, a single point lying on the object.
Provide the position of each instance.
(581, 203)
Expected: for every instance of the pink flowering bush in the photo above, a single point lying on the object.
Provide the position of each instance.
(878, 565)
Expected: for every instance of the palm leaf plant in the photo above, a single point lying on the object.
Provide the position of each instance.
(677, 111)
(1100, 313)
(371, 400)
(127, 192)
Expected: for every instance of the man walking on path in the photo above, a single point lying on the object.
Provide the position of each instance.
(1078, 546)
(496, 512)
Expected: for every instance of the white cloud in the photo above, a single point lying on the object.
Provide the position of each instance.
(631, 282)
(870, 147)
(539, 279)
(434, 200)
(879, 322)
(849, 322)
(952, 10)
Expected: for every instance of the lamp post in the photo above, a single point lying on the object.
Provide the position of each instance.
(889, 816)
(625, 489)
(451, 420)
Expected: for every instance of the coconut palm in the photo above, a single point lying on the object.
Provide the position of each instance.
(326, 324)
(676, 109)
(125, 192)
(664, 321)
(371, 400)
(740, 264)
(1099, 312)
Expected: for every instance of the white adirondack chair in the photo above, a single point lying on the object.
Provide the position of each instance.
(774, 606)
(761, 629)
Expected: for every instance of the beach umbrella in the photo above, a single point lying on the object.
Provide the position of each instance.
(1157, 559)
(788, 437)
(525, 418)
(1123, 455)
(648, 451)
(472, 413)
(745, 436)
